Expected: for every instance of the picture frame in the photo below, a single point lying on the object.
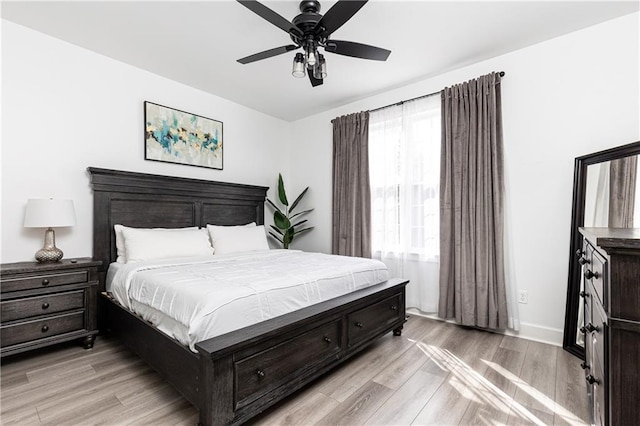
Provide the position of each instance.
(175, 136)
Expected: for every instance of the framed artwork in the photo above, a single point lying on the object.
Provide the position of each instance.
(175, 136)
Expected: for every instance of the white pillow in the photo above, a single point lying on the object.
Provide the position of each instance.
(120, 249)
(148, 244)
(234, 239)
(215, 230)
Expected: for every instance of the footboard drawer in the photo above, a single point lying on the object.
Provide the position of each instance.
(367, 322)
(265, 370)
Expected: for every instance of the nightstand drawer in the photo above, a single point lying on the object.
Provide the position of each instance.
(41, 305)
(40, 328)
(44, 281)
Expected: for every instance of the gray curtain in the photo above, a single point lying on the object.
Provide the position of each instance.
(622, 191)
(351, 188)
(472, 286)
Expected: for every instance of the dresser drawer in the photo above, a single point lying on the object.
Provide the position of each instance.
(261, 372)
(367, 322)
(44, 281)
(41, 328)
(594, 274)
(41, 305)
(599, 324)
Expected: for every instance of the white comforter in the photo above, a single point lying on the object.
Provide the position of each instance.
(195, 299)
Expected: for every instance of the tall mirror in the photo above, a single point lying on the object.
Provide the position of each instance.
(606, 193)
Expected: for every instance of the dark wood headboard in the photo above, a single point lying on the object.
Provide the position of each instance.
(143, 200)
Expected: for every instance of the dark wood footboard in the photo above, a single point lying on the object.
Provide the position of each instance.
(240, 374)
(251, 369)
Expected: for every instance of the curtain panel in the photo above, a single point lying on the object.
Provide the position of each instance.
(472, 278)
(404, 157)
(351, 193)
(622, 191)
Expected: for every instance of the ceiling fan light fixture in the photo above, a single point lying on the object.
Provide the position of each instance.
(298, 66)
(311, 55)
(320, 70)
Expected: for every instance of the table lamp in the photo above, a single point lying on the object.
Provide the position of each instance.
(49, 213)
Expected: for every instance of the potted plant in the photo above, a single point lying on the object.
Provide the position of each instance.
(284, 228)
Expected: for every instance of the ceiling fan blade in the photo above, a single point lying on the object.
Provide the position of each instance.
(314, 81)
(340, 13)
(269, 15)
(268, 53)
(357, 50)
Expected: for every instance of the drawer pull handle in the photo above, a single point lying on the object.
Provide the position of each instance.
(260, 374)
(588, 274)
(579, 253)
(45, 282)
(45, 305)
(394, 307)
(327, 339)
(585, 366)
(584, 294)
(359, 325)
(591, 328)
(45, 328)
(583, 261)
(592, 380)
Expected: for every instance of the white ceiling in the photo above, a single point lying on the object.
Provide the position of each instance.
(197, 43)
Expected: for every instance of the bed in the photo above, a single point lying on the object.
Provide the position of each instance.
(232, 377)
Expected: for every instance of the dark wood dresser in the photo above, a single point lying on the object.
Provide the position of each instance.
(611, 297)
(46, 303)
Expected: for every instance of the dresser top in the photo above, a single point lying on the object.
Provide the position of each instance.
(613, 238)
(33, 266)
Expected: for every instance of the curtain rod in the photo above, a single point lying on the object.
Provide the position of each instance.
(417, 97)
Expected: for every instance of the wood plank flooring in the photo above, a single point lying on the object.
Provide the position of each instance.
(435, 373)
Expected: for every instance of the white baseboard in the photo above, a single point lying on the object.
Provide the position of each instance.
(538, 333)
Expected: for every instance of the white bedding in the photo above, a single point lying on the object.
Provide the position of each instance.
(195, 299)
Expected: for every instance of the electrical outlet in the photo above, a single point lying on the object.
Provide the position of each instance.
(523, 296)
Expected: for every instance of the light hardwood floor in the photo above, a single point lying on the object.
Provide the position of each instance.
(435, 373)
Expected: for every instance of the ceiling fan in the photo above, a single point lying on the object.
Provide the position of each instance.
(310, 30)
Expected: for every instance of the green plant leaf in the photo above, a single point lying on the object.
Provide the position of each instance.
(303, 230)
(277, 230)
(276, 237)
(281, 192)
(299, 223)
(274, 206)
(301, 213)
(281, 220)
(295, 203)
(288, 237)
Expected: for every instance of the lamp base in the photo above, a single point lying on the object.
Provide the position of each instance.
(49, 253)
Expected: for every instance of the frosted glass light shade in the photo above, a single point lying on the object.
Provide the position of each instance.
(298, 66)
(45, 213)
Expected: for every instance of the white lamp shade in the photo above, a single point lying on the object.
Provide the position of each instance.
(45, 213)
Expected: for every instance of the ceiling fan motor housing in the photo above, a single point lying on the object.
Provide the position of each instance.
(306, 22)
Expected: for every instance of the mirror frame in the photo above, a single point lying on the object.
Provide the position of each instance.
(577, 220)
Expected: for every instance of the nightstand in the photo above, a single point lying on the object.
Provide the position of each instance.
(46, 303)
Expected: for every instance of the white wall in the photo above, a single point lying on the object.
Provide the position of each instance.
(65, 108)
(563, 98)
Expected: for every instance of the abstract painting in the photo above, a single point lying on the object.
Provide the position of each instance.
(176, 136)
